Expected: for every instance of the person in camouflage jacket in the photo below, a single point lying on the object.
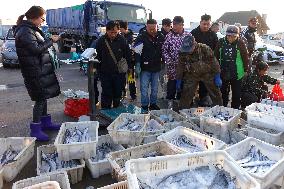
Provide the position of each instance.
(197, 63)
(254, 89)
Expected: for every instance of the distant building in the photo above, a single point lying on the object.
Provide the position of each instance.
(242, 17)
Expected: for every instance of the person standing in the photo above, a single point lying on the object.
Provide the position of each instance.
(204, 35)
(148, 63)
(112, 48)
(171, 49)
(232, 54)
(249, 34)
(215, 27)
(37, 68)
(197, 63)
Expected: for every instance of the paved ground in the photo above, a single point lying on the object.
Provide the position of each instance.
(16, 112)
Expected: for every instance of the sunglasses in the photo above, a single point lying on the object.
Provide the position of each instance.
(43, 19)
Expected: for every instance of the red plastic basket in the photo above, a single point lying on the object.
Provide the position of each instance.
(76, 107)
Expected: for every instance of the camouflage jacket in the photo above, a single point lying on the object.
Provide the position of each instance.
(201, 63)
(254, 83)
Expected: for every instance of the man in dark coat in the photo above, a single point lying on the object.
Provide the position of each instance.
(37, 68)
(111, 80)
(204, 35)
(249, 34)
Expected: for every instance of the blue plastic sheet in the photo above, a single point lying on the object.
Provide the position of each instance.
(115, 112)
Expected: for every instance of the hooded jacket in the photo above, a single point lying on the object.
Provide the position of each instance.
(208, 38)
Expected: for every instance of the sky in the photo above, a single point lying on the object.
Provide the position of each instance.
(190, 10)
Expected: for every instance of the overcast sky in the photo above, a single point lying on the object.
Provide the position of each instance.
(190, 10)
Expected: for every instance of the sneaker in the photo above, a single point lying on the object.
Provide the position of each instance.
(144, 109)
(154, 107)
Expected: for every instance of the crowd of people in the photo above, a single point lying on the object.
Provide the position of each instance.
(181, 61)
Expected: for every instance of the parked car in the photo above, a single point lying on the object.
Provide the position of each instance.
(8, 51)
(270, 39)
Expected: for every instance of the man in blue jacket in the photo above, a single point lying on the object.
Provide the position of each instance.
(148, 48)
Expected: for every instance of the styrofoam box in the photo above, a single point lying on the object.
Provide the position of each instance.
(201, 140)
(60, 177)
(256, 132)
(219, 128)
(270, 117)
(75, 174)
(187, 113)
(102, 167)
(1, 177)
(26, 147)
(160, 167)
(119, 185)
(79, 150)
(131, 138)
(177, 117)
(239, 151)
(118, 159)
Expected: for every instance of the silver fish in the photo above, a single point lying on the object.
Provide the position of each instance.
(130, 125)
(167, 118)
(102, 151)
(8, 156)
(185, 143)
(76, 135)
(153, 125)
(152, 154)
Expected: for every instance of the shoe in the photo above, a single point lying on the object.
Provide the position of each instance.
(144, 109)
(37, 132)
(154, 107)
(46, 123)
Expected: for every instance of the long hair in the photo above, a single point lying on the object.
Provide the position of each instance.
(32, 13)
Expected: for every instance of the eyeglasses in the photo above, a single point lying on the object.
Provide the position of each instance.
(43, 19)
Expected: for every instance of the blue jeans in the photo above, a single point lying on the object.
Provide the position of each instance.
(145, 79)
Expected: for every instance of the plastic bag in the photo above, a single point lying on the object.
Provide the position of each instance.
(277, 93)
(76, 107)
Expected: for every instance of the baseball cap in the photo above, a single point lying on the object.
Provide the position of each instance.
(232, 30)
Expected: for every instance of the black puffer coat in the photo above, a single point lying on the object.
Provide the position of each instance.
(36, 66)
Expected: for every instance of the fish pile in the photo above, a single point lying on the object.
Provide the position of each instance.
(271, 131)
(152, 154)
(167, 118)
(153, 125)
(51, 162)
(130, 124)
(256, 162)
(8, 156)
(102, 151)
(222, 116)
(185, 143)
(70, 93)
(76, 135)
(209, 177)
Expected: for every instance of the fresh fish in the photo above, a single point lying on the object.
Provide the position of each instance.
(153, 125)
(167, 118)
(102, 151)
(76, 135)
(152, 154)
(130, 125)
(8, 156)
(184, 142)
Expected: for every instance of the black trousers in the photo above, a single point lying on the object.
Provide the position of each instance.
(202, 90)
(112, 85)
(236, 92)
(40, 109)
(96, 89)
(248, 98)
(172, 93)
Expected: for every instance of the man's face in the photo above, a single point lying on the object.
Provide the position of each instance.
(152, 29)
(122, 30)
(215, 28)
(167, 28)
(178, 28)
(205, 25)
(253, 23)
(112, 33)
(262, 72)
(231, 38)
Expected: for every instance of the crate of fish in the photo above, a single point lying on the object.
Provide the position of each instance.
(128, 129)
(261, 160)
(266, 116)
(214, 169)
(119, 185)
(268, 135)
(60, 177)
(118, 159)
(167, 117)
(220, 121)
(99, 165)
(193, 114)
(238, 135)
(48, 162)
(152, 131)
(77, 140)
(191, 141)
(15, 152)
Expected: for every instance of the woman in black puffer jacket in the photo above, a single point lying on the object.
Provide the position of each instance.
(37, 68)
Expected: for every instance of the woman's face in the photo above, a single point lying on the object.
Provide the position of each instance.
(39, 21)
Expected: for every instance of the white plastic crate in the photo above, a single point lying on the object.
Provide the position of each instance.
(119, 185)
(118, 159)
(275, 138)
(266, 116)
(102, 167)
(239, 151)
(75, 174)
(193, 114)
(1, 177)
(221, 129)
(160, 167)
(155, 114)
(26, 147)
(79, 150)
(238, 135)
(203, 141)
(131, 138)
(60, 177)
(272, 103)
